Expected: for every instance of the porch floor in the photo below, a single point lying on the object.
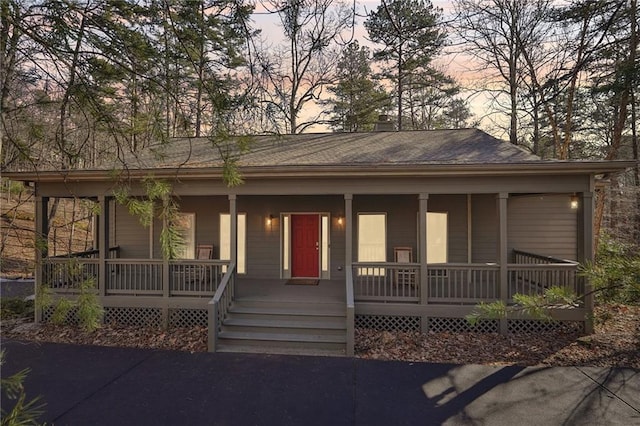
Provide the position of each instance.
(277, 290)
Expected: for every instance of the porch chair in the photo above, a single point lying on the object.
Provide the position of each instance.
(202, 276)
(404, 276)
(204, 252)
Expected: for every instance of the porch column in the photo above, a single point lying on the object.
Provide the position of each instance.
(348, 230)
(503, 254)
(233, 221)
(422, 252)
(42, 231)
(348, 244)
(586, 251)
(103, 244)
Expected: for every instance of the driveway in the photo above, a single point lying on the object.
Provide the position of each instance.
(90, 385)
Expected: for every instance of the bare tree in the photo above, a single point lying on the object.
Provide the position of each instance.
(295, 74)
(497, 33)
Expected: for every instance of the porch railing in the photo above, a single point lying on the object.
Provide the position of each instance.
(113, 253)
(458, 283)
(195, 277)
(66, 275)
(386, 282)
(219, 305)
(135, 277)
(463, 282)
(533, 273)
(524, 257)
(532, 279)
(351, 311)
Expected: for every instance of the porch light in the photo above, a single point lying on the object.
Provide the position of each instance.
(340, 221)
(574, 201)
(270, 220)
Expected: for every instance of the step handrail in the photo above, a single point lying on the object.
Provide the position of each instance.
(350, 313)
(219, 305)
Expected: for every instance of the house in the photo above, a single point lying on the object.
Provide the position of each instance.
(395, 230)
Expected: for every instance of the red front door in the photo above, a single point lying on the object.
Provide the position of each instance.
(305, 244)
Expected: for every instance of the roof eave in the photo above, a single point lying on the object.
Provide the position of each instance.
(355, 170)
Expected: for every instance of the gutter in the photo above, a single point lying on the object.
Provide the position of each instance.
(332, 171)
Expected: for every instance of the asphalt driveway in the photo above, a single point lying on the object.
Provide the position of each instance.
(89, 385)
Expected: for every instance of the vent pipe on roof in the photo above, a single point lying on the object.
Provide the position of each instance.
(384, 124)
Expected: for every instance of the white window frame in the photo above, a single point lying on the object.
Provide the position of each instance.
(437, 244)
(187, 249)
(225, 245)
(383, 257)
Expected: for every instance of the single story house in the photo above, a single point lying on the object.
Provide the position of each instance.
(329, 232)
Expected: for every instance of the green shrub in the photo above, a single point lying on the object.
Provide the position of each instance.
(15, 307)
(615, 274)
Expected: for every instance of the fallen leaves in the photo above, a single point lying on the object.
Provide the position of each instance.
(616, 342)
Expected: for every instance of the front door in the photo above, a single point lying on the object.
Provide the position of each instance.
(305, 244)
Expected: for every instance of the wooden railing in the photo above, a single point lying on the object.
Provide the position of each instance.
(113, 253)
(533, 273)
(524, 257)
(458, 283)
(533, 279)
(198, 278)
(386, 282)
(66, 275)
(463, 282)
(351, 311)
(219, 305)
(136, 277)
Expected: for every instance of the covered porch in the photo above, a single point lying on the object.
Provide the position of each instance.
(482, 262)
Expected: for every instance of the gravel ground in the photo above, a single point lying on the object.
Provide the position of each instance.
(616, 342)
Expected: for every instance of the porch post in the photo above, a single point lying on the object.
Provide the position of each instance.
(422, 252)
(42, 231)
(503, 254)
(586, 252)
(103, 244)
(348, 261)
(233, 221)
(348, 230)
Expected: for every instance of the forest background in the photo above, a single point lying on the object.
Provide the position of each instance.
(82, 82)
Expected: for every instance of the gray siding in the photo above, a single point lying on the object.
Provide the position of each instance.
(207, 211)
(484, 228)
(401, 211)
(402, 221)
(130, 235)
(543, 224)
(456, 207)
(263, 242)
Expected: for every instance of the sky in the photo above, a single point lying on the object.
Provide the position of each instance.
(455, 64)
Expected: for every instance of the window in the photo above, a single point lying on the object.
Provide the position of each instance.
(185, 224)
(225, 240)
(437, 246)
(372, 241)
(324, 240)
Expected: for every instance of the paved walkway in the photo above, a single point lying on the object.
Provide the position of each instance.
(89, 385)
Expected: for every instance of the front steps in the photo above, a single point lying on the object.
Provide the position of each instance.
(301, 328)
